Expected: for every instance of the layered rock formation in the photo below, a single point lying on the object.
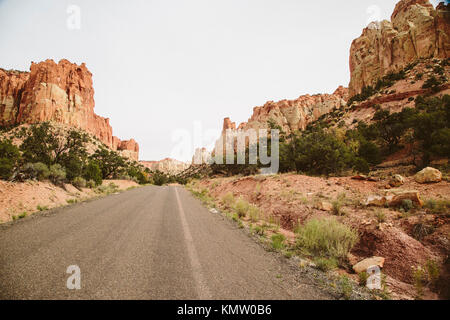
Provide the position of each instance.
(292, 115)
(168, 165)
(61, 93)
(416, 30)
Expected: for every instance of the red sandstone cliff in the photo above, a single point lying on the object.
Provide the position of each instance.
(61, 93)
(416, 30)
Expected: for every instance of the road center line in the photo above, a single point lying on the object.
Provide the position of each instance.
(202, 288)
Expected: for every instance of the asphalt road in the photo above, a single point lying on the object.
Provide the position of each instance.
(146, 243)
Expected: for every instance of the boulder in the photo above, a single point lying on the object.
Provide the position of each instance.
(359, 177)
(397, 196)
(369, 262)
(394, 198)
(324, 206)
(397, 181)
(374, 200)
(428, 175)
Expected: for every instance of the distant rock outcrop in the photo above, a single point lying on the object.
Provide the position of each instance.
(292, 115)
(61, 93)
(416, 30)
(168, 165)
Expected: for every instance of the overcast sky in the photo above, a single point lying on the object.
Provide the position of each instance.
(160, 66)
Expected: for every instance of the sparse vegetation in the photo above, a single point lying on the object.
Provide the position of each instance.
(228, 200)
(79, 182)
(278, 241)
(241, 208)
(380, 216)
(326, 237)
(326, 264)
(363, 276)
(437, 206)
(42, 208)
(345, 287)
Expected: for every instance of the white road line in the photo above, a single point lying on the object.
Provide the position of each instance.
(202, 288)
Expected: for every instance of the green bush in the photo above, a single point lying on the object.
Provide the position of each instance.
(370, 152)
(57, 174)
(91, 184)
(361, 166)
(79, 182)
(93, 172)
(326, 237)
(159, 178)
(407, 205)
(9, 158)
(228, 200)
(278, 241)
(326, 264)
(36, 170)
(321, 153)
(241, 208)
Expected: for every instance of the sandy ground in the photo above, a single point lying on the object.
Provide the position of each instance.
(31, 196)
(292, 199)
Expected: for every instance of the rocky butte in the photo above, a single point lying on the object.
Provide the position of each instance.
(292, 115)
(61, 93)
(416, 30)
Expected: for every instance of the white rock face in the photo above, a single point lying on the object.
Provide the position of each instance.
(170, 166)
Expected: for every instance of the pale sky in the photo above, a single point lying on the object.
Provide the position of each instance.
(160, 66)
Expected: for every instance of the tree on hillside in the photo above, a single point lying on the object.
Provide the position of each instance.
(9, 158)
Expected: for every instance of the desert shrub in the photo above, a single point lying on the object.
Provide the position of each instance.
(337, 207)
(36, 170)
(93, 173)
(437, 206)
(57, 174)
(421, 230)
(433, 271)
(41, 208)
(419, 277)
(228, 200)
(107, 189)
(433, 83)
(241, 208)
(363, 276)
(407, 205)
(159, 178)
(326, 264)
(370, 152)
(278, 241)
(9, 158)
(79, 182)
(254, 213)
(345, 287)
(361, 166)
(259, 230)
(326, 237)
(380, 216)
(91, 184)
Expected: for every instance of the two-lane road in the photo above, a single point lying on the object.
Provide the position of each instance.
(146, 243)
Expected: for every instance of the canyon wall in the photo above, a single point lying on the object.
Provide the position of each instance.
(292, 115)
(61, 93)
(416, 30)
(168, 165)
